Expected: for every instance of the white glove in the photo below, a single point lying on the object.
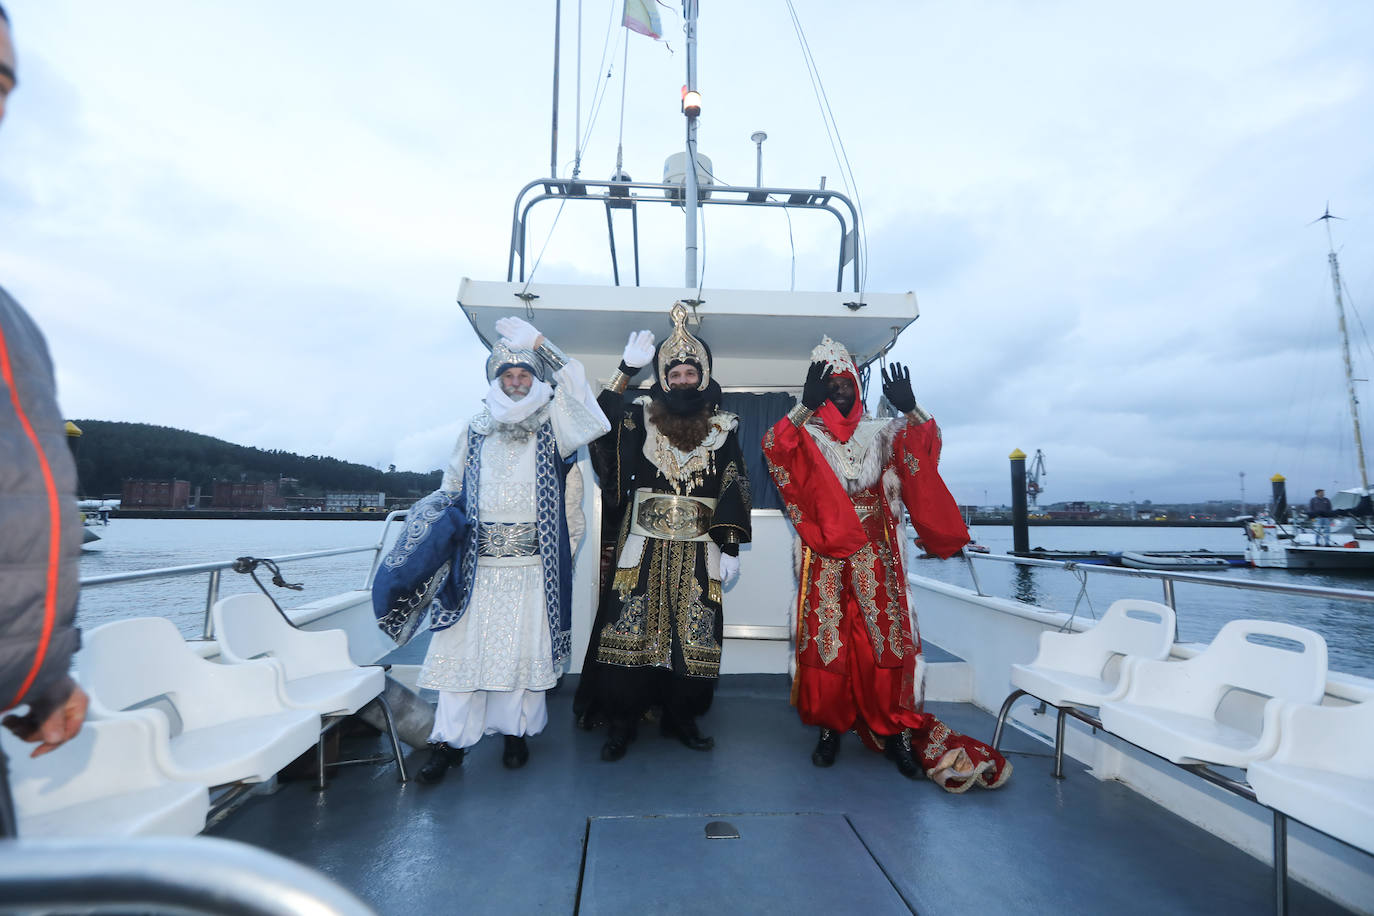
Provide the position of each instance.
(639, 349)
(729, 569)
(517, 333)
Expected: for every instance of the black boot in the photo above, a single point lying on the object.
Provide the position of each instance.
(898, 750)
(617, 742)
(685, 729)
(517, 752)
(441, 757)
(826, 748)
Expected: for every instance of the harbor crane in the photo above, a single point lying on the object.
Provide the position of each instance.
(1033, 475)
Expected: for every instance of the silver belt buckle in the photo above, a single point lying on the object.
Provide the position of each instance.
(507, 539)
(675, 518)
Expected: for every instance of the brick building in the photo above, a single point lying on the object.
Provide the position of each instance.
(155, 494)
(262, 495)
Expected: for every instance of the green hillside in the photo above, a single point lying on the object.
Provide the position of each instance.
(108, 453)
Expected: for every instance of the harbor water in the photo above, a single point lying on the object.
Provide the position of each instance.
(136, 544)
(1347, 626)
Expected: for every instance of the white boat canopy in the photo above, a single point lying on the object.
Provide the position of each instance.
(759, 339)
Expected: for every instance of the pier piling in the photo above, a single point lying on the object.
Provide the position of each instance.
(1020, 536)
(1280, 496)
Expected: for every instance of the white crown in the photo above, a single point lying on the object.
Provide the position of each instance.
(833, 353)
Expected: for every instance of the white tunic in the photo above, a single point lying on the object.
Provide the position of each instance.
(492, 666)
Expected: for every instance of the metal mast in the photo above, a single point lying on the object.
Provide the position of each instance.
(1345, 346)
(689, 16)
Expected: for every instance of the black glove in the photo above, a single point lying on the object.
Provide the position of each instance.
(630, 371)
(897, 387)
(817, 387)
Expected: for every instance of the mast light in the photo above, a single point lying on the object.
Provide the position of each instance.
(691, 102)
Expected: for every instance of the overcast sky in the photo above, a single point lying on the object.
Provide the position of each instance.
(251, 219)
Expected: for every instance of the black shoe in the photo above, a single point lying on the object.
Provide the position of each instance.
(686, 731)
(615, 747)
(517, 752)
(898, 750)
(441, 757)
(826, 748)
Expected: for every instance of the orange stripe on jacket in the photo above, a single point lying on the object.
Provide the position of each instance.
(55, 527)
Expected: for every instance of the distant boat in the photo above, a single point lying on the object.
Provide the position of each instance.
(1270, 543)
(1191, 562)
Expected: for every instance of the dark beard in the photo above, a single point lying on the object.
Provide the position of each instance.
(684, 431)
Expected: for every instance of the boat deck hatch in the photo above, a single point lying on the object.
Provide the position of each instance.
(812, 863)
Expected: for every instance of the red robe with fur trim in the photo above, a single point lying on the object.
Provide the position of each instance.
(859, 660)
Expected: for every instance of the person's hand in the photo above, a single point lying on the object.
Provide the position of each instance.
(729, 569)
(897, 387)
(518, 334)
(639, 350)
(55, 726)
(817, 387)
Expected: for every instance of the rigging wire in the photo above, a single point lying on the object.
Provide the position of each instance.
(598, 97)
(841, 155)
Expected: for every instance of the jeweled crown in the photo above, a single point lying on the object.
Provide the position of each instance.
(833, 353)
(680, 347)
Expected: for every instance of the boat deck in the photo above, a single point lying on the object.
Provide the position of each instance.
(569, 833)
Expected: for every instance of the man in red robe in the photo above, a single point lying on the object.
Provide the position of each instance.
(844, 478)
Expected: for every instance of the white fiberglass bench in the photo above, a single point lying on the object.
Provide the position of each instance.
(315, 670)
(1171, 708)
(1073, 671)
(104, 782)
(226, 723)
(1323, 771)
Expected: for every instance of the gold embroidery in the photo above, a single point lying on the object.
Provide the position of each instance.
(670, 606)
(630, 423)
(625, 580)
(769, 438)
(829, 614)
(866, 585)
(912, 463)
(780, 473)
(734, 476)
(794, 513)
(896, 603)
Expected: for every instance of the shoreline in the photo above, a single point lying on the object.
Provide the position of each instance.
(296, 515)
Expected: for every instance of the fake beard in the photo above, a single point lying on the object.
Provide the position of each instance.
(506, 410)
(685, 401)
(684, 431)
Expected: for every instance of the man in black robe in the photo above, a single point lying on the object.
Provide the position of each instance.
(672, 471)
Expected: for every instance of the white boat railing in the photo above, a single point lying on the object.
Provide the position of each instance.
(1167, 580)
(216, 567)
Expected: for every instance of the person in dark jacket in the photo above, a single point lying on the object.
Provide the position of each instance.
(1319, 511)
(40, 532)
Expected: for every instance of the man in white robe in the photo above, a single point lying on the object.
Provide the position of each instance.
(493, 664)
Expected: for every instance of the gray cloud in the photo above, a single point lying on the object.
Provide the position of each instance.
(252, 221)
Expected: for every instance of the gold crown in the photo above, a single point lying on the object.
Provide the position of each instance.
(680, 347)
(833, 353)
(503, 355)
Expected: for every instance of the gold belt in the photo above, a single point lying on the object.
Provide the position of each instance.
(671, 517)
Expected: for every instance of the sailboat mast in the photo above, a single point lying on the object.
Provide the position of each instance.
(689, 16)
(1345, 354)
